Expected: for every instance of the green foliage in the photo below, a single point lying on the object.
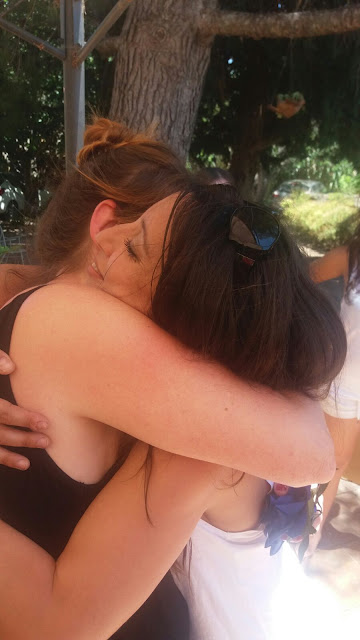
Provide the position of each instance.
(31, 107)
(31, 95)
(321, 164)
(245, 76)
(234, 129)
(321, 224)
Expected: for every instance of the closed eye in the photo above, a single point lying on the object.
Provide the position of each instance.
(130, 250)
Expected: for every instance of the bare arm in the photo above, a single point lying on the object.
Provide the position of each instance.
(332, 265)
(114, 559)
(124, 371)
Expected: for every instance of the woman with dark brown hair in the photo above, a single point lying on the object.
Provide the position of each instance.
(109, 380)
(342, 406)
(234, 287)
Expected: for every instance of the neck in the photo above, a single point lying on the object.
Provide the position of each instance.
(77, 276)
(79, 271)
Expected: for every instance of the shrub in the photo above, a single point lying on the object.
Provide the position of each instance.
(322, 224)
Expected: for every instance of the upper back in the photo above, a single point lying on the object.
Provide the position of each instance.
(45, 503)
(82, 448)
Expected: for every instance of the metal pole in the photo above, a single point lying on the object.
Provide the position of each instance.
(29, 37)
(102, 30)
(73, 56)
(72, 23)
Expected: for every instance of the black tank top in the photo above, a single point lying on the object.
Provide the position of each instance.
(45, 504)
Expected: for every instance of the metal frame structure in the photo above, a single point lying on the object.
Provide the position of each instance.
(73, 57)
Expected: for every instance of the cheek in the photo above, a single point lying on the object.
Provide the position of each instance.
(123, 277)
(129, 282)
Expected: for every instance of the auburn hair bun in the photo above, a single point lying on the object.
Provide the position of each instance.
(104, 134)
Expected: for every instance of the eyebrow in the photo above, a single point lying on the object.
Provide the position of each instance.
(144, 229)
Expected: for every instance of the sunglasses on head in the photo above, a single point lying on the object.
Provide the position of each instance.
(255, 229)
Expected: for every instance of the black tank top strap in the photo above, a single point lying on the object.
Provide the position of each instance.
(8, 315)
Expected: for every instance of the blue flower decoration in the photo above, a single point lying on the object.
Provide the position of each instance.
(287, 514)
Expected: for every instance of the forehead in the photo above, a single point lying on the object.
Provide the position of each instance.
(157, 216)
(155, 220)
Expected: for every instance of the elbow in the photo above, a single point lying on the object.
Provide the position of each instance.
(325, 469)
(324, 455)
(319, 465)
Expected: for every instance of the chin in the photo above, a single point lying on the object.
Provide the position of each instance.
(143, 306)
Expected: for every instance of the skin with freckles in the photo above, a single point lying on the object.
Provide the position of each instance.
(126, 257)
(110, 352)
(124, 261)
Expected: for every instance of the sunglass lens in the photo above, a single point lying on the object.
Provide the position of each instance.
(264, 226)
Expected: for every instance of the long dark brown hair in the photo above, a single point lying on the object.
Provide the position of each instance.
(268, 323)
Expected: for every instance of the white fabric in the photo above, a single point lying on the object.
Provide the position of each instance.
(344, 397)
(236, 591)
(350, 314)
(341, 403)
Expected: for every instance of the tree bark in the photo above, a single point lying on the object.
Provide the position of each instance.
(164, 50)
(160, 68)
(245, 159)
(302, 24)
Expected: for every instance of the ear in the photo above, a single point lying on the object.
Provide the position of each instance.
(102, 218)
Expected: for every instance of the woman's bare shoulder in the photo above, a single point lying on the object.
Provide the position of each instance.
(75, 299)
(332, 265)
(77, 314)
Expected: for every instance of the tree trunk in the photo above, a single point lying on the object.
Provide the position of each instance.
(160, 69)
(260, 184)
(244, 167)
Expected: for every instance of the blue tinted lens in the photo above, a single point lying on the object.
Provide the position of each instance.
(262, 224)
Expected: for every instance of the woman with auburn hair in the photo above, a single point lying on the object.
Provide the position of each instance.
(230, 285)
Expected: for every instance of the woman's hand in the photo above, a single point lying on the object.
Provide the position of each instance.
(9, 437)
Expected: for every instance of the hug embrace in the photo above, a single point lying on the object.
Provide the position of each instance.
(176, 345)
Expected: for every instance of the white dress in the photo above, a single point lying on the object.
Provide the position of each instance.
(344, 397)
(236, 591)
